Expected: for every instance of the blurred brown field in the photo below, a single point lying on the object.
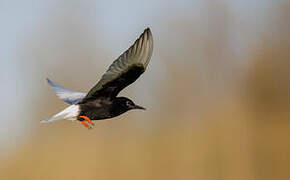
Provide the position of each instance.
(216, 114)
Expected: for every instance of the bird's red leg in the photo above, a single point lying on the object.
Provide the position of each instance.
(85, 118)
(85, 124)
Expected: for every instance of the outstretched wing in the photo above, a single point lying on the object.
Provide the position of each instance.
(68, 96)
(124, 70)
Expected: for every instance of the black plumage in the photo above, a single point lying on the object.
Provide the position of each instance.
(101, 102)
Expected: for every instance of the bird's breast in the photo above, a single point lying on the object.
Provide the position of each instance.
(96, 110)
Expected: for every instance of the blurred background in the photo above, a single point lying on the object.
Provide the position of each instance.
(217, 90)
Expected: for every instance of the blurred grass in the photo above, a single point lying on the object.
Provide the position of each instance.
(228, 144)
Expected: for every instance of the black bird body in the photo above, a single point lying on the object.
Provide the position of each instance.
(97, 109)
(100, 109)
(101, 102)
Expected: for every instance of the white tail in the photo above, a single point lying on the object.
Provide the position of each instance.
(69, 113)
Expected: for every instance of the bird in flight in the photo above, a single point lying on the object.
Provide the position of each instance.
(101, 102)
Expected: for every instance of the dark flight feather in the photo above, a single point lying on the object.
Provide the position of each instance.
(124, 70)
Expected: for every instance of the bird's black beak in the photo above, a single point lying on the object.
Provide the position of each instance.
(139, 107)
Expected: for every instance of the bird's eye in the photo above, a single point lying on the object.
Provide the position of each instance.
(129, 103)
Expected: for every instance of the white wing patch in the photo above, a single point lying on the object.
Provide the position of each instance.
(67, 95)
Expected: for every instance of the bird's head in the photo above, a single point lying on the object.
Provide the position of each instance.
(127, 104)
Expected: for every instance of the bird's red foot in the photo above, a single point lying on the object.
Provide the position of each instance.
(87, 125)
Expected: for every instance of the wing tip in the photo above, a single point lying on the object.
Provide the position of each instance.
(50, 82)
(147, 29)
(53, 84)
(148, 32)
